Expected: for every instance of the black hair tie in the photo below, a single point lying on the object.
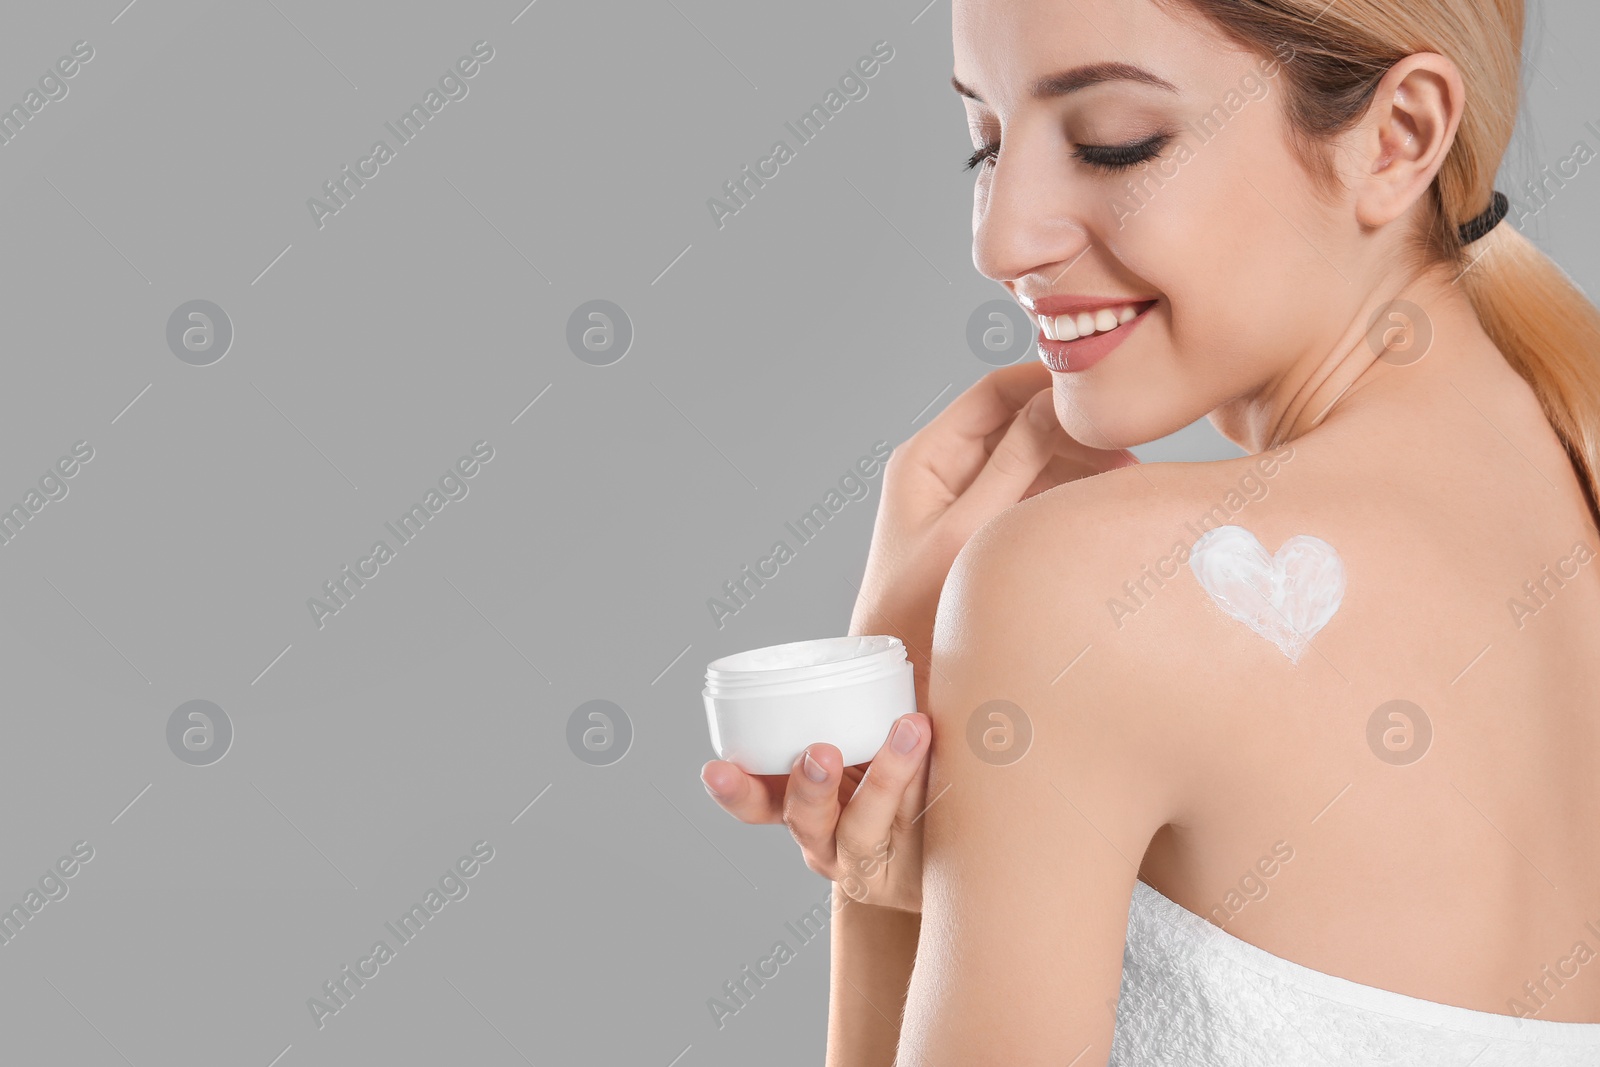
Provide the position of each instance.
(1475, 228)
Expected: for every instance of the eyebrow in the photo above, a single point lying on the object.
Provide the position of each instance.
(1070, 81)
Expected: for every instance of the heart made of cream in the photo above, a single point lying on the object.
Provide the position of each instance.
(1285, 597)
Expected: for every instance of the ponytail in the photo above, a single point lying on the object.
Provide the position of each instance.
(1550, 334)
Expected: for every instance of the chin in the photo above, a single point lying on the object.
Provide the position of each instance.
(1115, 420)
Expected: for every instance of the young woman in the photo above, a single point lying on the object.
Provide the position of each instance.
(1277, 760)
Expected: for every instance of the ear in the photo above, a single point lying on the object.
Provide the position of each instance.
(1406, 134)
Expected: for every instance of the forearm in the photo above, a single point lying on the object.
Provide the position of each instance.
(874, 947)
(873, 951)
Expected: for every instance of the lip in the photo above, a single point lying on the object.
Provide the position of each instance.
(1065, 357)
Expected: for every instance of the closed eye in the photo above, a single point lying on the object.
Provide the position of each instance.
(1104, 158)
(1110, 158)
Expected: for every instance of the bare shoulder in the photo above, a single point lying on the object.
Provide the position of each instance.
(1088, 606)
(1108, 561)
(1240, 621)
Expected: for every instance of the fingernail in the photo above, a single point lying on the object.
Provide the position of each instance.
(714, 794)
(904, 738)
(814, 770)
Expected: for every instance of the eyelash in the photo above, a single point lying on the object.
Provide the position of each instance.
(1107, 159)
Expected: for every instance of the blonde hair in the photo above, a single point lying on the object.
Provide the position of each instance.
(1548, 330)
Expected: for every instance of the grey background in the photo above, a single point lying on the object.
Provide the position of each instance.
(370, 354)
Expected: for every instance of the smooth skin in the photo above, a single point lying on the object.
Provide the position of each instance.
(1172, 743)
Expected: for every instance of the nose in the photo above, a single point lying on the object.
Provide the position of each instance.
(1025, 219)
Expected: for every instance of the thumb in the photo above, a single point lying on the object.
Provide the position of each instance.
(869, 816)
(1022, 453)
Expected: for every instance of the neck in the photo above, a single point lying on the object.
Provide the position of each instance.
(1423, 322)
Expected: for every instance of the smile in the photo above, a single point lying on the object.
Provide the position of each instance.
(1076, 340)
(1088, 323)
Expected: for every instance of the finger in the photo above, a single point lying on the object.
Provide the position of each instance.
(870, 815)
(811, 805)
(988, 402)
(747, 797)
(851, 778)
(1022, 454)
(1073, 461)
(951, 440)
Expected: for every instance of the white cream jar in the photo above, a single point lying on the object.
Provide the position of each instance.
(766, 705)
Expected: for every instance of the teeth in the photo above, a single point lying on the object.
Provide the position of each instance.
(1085, 323)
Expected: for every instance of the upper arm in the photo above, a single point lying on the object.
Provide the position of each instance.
(1030, 855)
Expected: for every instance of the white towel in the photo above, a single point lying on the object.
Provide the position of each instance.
(1195, 995)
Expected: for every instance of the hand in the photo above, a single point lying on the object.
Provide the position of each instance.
(997, 443)
(860, 826)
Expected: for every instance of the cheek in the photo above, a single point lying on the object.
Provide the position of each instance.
(1239, 281)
